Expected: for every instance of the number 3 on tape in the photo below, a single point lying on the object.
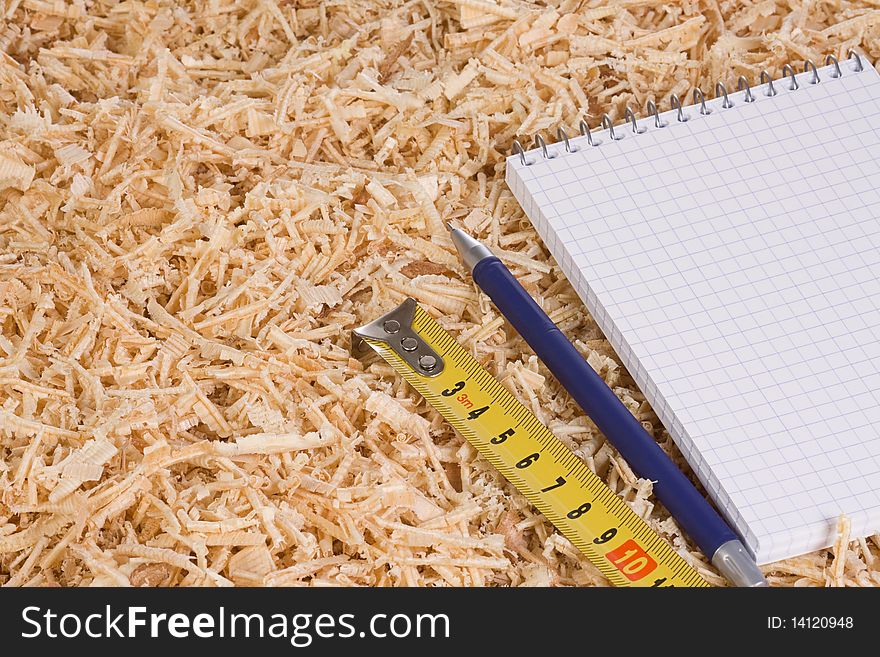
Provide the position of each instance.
(510, 437)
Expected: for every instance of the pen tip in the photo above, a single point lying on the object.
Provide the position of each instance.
(449, 226)
(470, 250)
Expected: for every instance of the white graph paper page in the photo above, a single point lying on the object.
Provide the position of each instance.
(733, 261)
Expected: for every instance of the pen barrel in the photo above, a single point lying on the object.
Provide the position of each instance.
(690, 509)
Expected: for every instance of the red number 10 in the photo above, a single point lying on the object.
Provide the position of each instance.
(631, 560)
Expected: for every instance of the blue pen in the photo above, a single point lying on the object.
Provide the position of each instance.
(692, 511)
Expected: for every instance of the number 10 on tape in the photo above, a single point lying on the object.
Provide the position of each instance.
(510, 437)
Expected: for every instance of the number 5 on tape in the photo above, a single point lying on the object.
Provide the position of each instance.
(539, 465)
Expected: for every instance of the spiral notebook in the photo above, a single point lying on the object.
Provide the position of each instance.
(730, 251)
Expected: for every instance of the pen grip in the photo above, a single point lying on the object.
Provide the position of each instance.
(690, 509)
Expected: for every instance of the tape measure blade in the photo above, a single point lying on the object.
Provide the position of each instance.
(540, 466)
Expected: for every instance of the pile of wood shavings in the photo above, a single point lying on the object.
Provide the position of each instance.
(199, 200)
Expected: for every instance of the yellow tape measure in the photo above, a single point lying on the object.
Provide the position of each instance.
(539, 465)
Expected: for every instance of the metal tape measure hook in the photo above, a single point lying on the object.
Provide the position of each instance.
(396, 330)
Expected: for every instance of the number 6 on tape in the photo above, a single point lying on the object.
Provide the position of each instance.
(539, 465)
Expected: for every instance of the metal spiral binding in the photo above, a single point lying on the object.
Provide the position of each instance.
(675, 101)
(720, 86)
(771, 90)
(698, 95)
(743, 82)
(789, 71)
(652, 110)
(630, 116)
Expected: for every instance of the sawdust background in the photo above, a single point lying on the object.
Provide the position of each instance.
(199, 200)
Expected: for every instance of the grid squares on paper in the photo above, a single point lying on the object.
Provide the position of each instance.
(732, 262)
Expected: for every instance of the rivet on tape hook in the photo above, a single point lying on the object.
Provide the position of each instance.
(395, 329)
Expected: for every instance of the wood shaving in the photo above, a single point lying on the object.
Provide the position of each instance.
(190, 226)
